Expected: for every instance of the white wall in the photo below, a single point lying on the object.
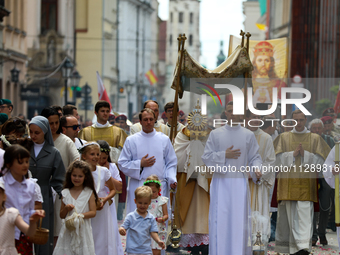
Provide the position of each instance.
(175, 28)
(129, 69)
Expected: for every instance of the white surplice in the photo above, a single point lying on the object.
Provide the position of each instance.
(229, 215)
(294, 227)
(260, 193)
(330, 179)
(179, 127)
(137, 146)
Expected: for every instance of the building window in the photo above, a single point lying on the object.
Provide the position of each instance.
(171, 17)
(49, 15)
(190, 40)
(191, 17)
(180, 17)
(170, 40)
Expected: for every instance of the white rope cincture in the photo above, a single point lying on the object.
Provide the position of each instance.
(4, 140)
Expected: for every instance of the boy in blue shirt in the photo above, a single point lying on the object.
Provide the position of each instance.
(140, 225)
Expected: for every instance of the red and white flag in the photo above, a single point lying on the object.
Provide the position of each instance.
(337, 104)
(102, 94)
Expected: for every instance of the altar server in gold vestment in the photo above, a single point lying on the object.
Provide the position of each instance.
(103, 130)
(299, 151)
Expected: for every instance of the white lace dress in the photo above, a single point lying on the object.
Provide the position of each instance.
(102, 225)
(79, 241)
(155, 208)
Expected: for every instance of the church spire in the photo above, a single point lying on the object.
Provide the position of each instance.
(221, 57)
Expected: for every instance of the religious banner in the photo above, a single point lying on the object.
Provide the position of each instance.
(270, 66)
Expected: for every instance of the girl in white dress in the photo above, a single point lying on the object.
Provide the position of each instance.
(159, 209)
(78, 203)
(102, 225)
(23, 193)
(105, 161)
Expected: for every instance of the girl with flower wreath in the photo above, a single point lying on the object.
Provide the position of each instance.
(159, 209)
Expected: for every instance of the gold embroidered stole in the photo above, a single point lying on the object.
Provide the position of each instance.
(113, 135)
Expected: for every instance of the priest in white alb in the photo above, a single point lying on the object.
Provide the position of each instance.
(260, 192)
(232, 152)
(145, 153)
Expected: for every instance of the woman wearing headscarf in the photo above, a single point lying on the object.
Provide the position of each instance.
(68, 152)
(47, 166)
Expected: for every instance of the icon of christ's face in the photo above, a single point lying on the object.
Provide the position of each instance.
(263, 64)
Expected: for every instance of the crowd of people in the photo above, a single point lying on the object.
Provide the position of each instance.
(220, 186)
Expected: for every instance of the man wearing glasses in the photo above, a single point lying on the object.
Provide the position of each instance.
(168, 108)
(70, 127)
(6, 106)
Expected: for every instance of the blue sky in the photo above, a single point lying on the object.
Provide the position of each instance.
(219, 19)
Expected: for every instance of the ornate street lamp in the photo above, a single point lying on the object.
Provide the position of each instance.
(15, 74)
(66, 72)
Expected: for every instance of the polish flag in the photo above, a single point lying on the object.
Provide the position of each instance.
(102, 94)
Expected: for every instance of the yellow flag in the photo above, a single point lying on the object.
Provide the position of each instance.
(261, 26)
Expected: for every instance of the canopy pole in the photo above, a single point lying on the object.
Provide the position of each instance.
(246, 74)
(242, 36)
(181, 41)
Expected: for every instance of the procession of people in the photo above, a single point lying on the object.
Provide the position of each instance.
(216, 185)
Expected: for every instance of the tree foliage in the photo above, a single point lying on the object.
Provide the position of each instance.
(322, 104)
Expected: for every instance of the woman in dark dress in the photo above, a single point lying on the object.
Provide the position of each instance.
(47, 166)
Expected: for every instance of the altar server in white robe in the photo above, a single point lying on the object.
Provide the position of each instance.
(329, 173)
(260, 192)
(145, 153)
(231, 148)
